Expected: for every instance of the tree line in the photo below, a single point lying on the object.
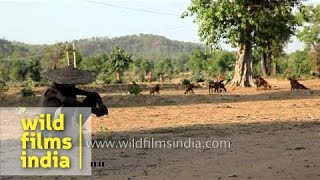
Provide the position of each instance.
(118, 66)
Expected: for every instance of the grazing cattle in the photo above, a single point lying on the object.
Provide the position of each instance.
(295, 84)
(189, 89)
(217, 86)
(155, 89)
(260, 82)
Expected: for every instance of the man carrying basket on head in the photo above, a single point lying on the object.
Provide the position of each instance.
(63, 92)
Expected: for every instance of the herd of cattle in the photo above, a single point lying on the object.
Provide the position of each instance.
(218, 86)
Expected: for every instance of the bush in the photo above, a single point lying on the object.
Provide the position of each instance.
(27, 92)
(134, 89)
(3, 86)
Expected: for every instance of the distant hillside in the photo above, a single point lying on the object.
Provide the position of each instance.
(8, 49)
(145, 46)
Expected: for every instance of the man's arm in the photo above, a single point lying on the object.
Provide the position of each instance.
(92, 94)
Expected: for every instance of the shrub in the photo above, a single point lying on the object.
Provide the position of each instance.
(134, 89)
(27, 92)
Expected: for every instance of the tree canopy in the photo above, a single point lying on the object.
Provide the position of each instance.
(238, 21)
(310, 33)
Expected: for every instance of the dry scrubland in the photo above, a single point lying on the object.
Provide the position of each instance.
(275, 134)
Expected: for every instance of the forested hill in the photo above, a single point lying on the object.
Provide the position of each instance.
(147, 46)
(143, 45)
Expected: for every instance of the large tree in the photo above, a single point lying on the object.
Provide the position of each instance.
(310, 33)
(240, 23)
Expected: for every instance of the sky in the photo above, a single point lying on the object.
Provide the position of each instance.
(50, 21)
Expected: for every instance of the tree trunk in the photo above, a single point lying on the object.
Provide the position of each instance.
(118, 76)
(274, 67)
(266, 63)
(243, 67)
(315, 58)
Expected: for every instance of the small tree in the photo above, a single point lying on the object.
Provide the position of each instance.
(19, 70)
(35, 70)
(118, 62)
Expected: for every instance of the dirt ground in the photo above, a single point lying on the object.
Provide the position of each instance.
(274, 134)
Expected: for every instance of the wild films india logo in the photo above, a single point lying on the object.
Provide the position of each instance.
(52, 145)
(49, 143)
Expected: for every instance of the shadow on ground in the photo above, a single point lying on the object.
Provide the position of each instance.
(114, 101)
(168, 100)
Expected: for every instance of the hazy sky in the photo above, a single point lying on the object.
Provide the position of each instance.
(49, 21)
